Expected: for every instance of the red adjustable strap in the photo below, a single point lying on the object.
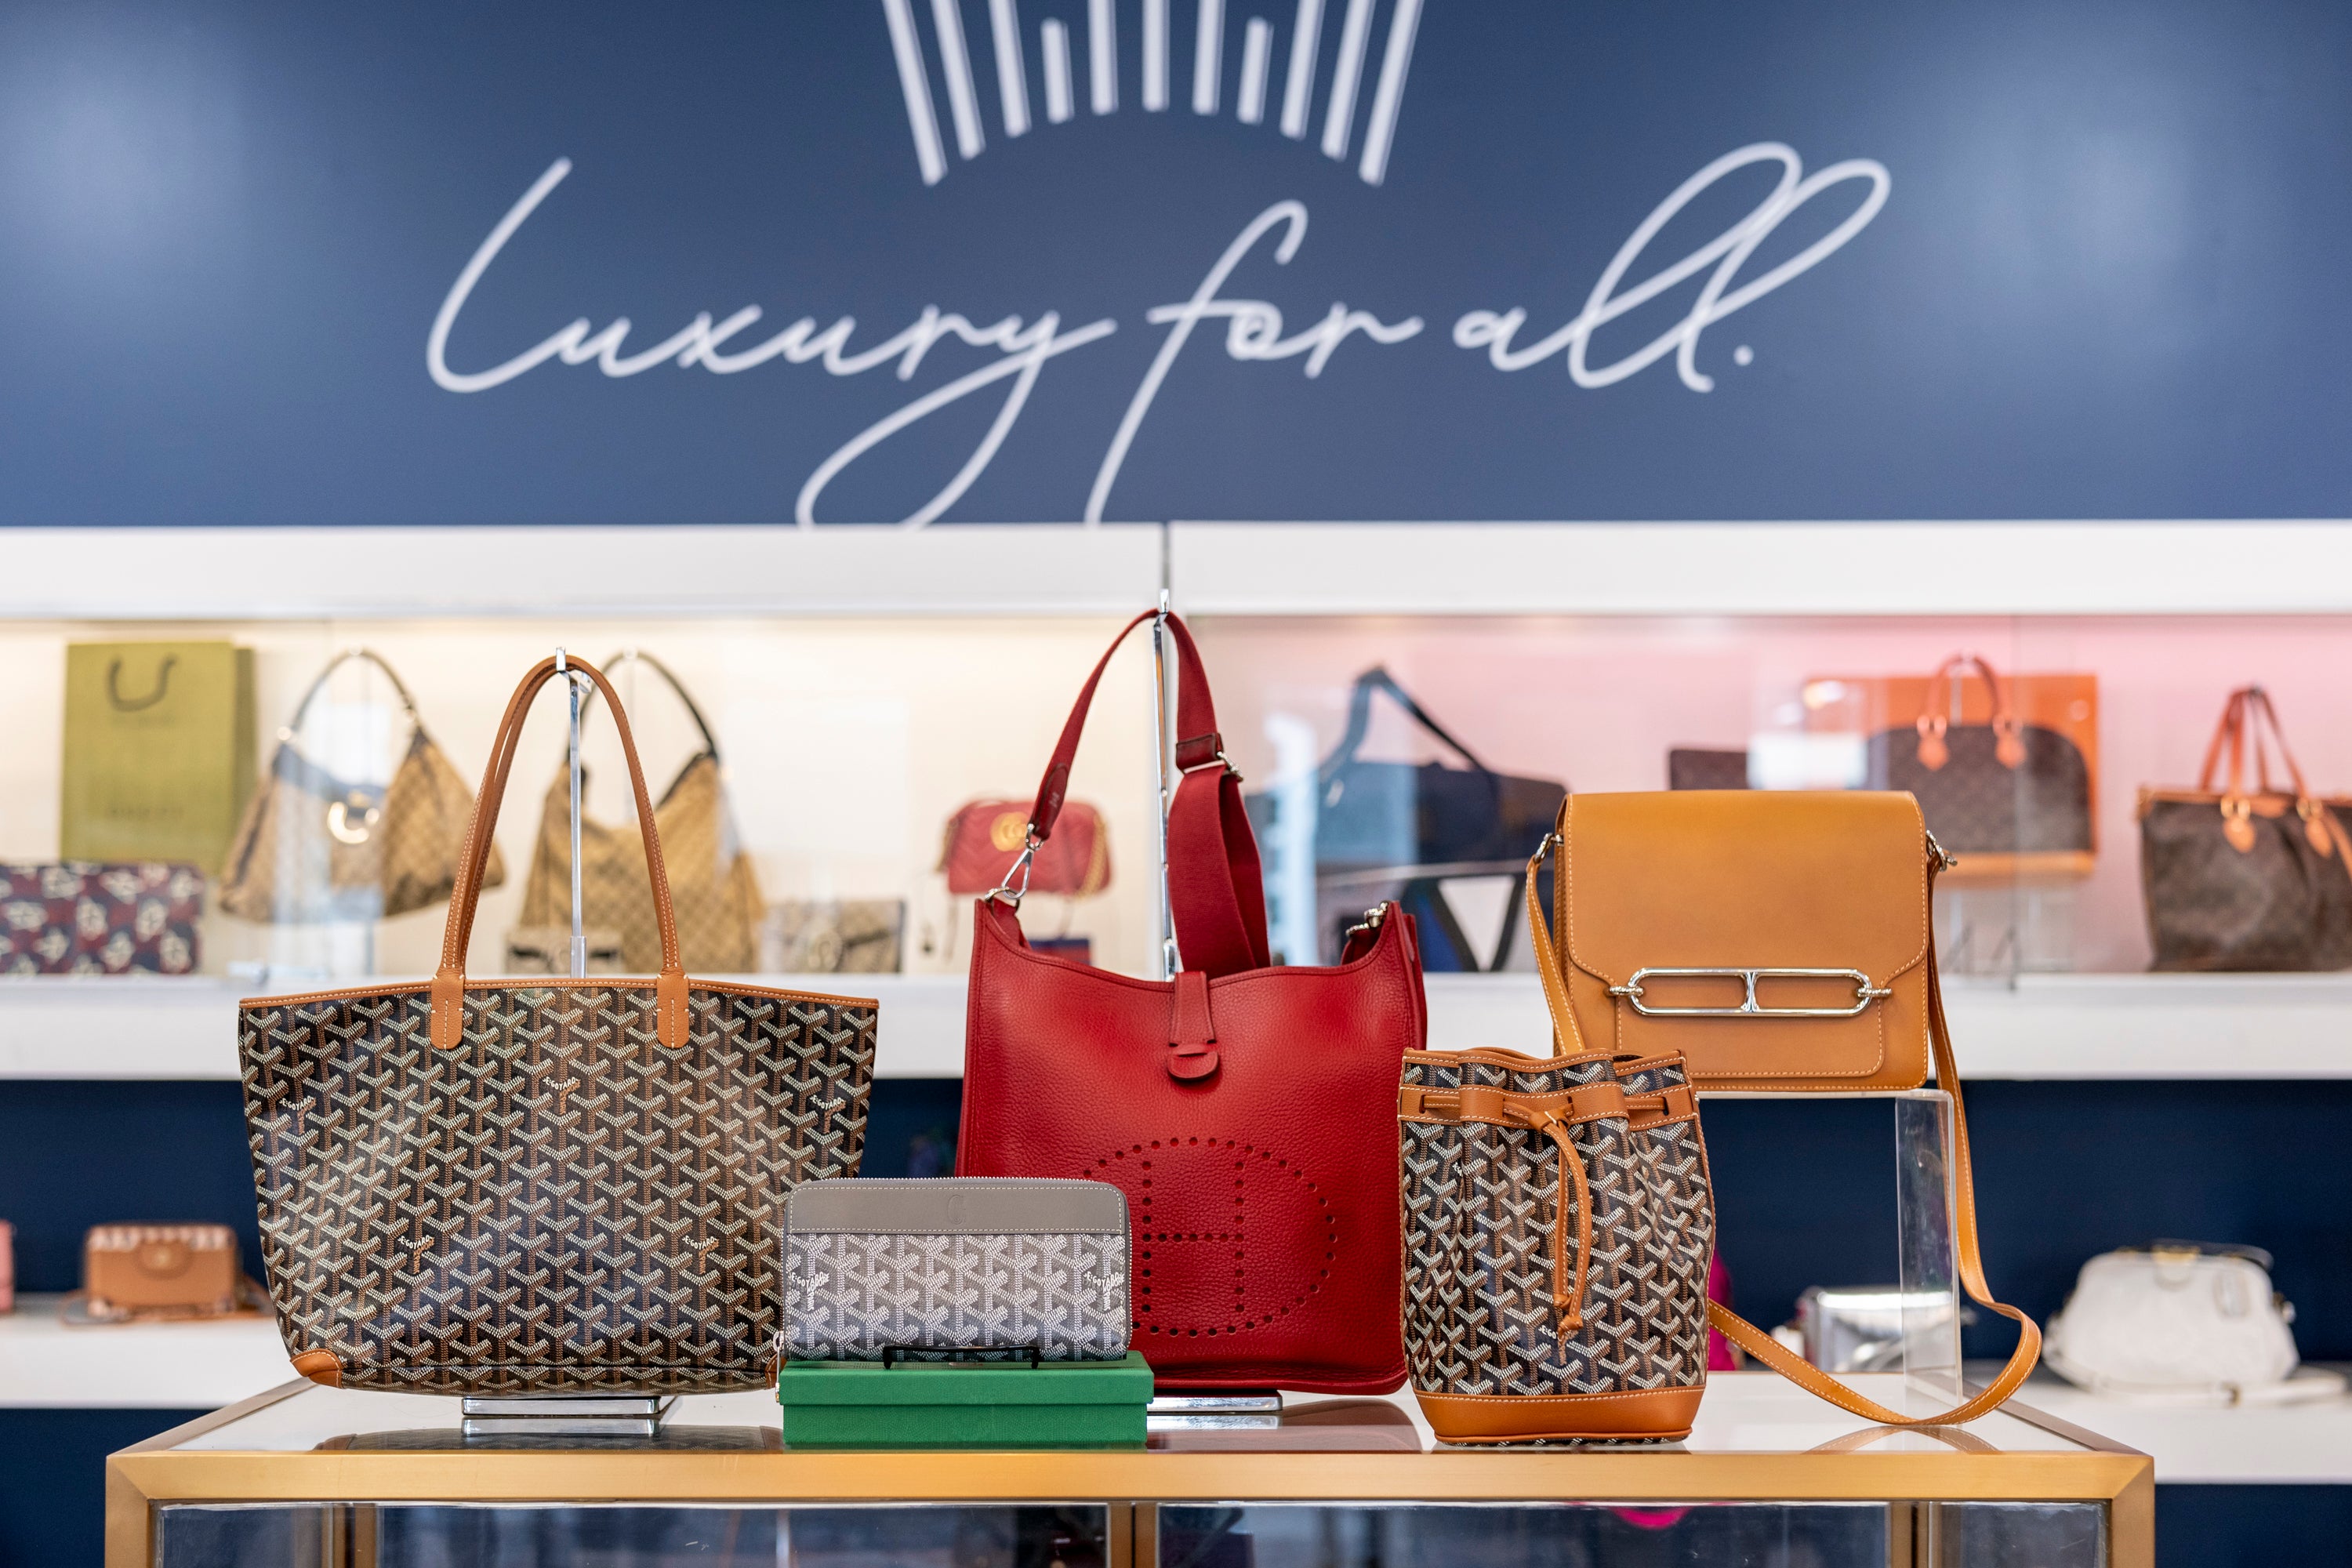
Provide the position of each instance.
(1216, 890)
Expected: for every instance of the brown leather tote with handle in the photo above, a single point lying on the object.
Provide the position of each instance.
(542, 1185)
(1559, 1220)
(2247, 879)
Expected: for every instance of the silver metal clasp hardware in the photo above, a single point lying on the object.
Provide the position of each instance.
(1219, 760)
(1005, 891)
(1865, 993)
(1943, 859)
(1371, 922)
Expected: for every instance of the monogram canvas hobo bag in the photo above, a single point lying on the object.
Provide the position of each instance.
(544, 1185)
(714, 896)
(313, 846)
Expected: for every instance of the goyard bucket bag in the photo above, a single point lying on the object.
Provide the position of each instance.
(2247, 879)
(1559, 1226)
(544, 1185)
(1243, 1107)
(313, 846)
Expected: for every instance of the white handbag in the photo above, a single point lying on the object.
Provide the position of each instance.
(2181, 1323)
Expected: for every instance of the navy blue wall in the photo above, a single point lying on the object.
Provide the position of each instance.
(2105, 281)
(1805, 1190)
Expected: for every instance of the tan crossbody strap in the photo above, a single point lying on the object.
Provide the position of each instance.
(1755, 1340)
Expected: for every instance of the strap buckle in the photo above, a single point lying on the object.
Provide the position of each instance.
(1865, 993)
(1199, 751)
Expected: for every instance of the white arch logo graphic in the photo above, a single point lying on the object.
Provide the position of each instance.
(1056, 62)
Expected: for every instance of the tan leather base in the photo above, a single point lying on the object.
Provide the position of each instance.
(321, 1366)
(1661, 1414)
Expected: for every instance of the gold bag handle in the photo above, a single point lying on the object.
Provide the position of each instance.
(448, 1000)
(1738, 1330)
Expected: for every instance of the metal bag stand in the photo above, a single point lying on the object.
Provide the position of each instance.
(1199, 1408)
(568, 1414)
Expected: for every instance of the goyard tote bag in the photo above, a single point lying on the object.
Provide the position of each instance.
(1402, 830)
(1560, 1223)
(159, 751)
(2247, 878)
(315, 847)
(542, 1186)
(2005, 768)
(714, 890)
(1243, 1108)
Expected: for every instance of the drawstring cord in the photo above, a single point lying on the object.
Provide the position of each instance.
(1569, 1264)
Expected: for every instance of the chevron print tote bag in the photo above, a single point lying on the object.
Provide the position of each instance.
(1560, 1222)
(542, 1186)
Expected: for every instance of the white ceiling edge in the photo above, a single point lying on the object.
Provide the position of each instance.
(2252, 567)
(386, 572)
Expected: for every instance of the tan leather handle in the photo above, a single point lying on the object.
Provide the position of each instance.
(448, 997)
(1946, 681)
(2262, 716)
(1755, 1340)
(1934, 719)
(2229, 738)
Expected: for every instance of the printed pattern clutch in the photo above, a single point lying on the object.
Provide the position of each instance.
(83, 917)
(995, 1266)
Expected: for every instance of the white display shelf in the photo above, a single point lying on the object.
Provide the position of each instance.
(2300, 1444)
(201, 1366)
(187, 1028)
(2041, 1027)
(2094, 1027)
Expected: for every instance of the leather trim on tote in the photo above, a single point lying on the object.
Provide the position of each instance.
(1660, 1413)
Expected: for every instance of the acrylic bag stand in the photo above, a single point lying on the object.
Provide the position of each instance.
(1245, 1109)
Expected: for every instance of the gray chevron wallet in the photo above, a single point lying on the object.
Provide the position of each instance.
(985, 1266)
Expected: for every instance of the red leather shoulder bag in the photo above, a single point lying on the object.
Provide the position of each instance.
(1245, 1109)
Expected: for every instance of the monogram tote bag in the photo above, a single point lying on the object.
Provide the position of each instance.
(543, 1185)
(2247, 878)
(1243, 1107)
(714, 894)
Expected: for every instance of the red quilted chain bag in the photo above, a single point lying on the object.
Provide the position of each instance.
(1245, 1109)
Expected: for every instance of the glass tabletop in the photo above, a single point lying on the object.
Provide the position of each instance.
(1743, 1413)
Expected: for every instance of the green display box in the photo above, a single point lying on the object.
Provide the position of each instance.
(958, 1404)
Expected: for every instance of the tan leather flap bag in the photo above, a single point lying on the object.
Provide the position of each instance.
(1774, 940)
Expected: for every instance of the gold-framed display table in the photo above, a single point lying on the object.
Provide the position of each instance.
(338, 1478)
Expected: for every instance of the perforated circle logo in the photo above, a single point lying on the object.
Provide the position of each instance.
(1223, 1234)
